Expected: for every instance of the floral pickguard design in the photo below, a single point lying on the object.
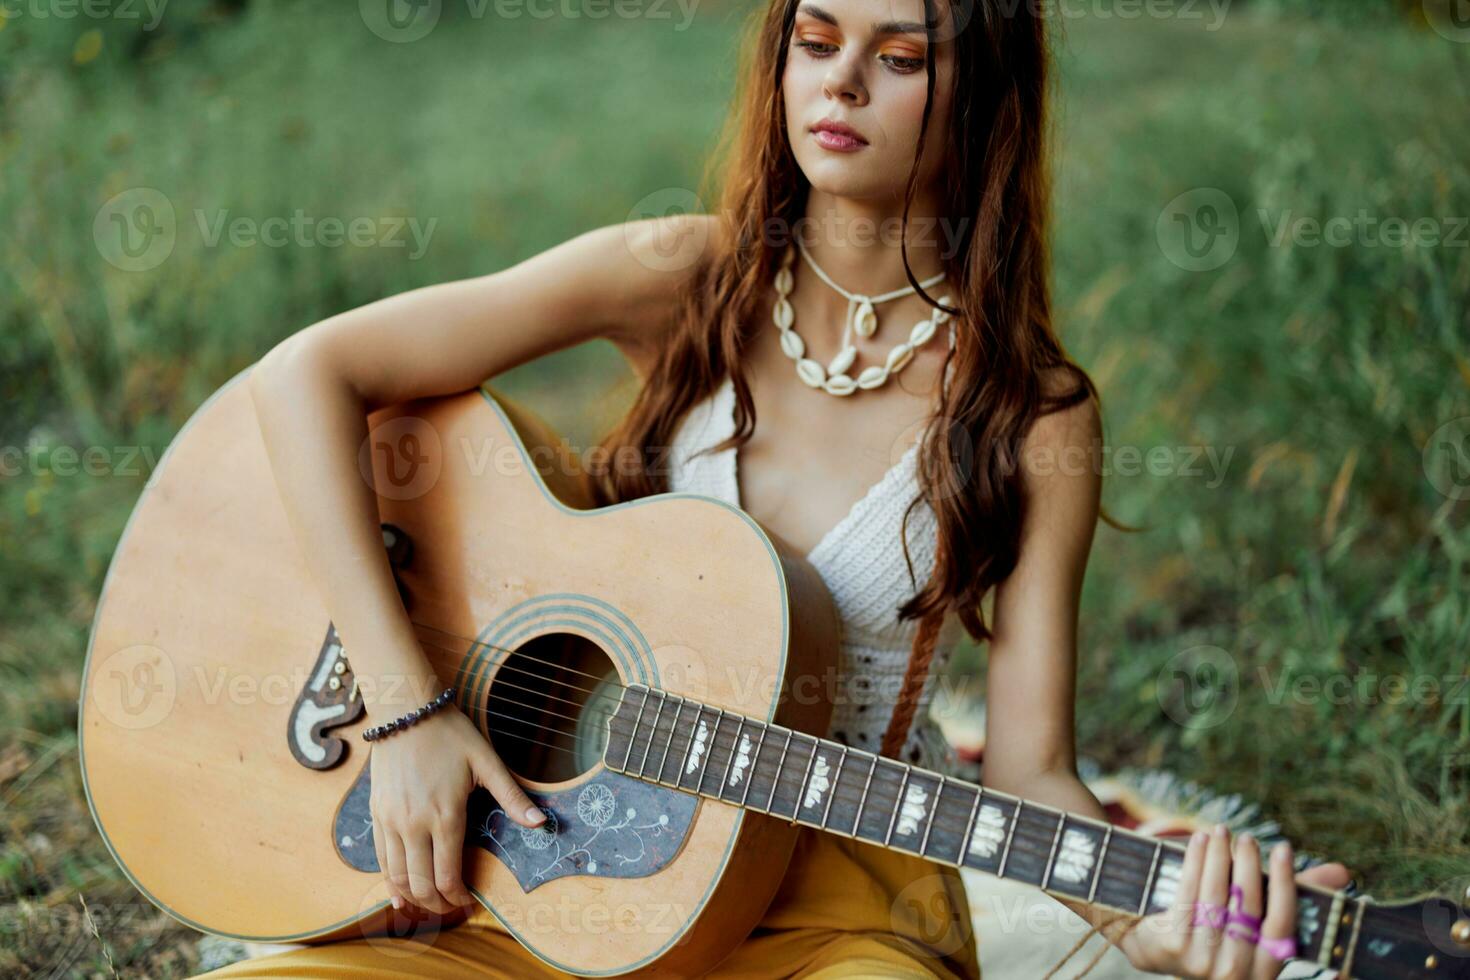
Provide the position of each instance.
(611, 826)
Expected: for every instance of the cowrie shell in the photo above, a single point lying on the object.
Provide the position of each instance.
(792, 345)
(842, 361)
(866, 321)
(840, 384)
(939, 315)
(783, 313)
(919, 336)
(811, 372)
(783, 280)
(898, 357)
(872, 377)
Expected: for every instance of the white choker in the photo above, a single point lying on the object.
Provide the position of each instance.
(834, 379)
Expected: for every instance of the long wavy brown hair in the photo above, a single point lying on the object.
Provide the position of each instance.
(1010, 368)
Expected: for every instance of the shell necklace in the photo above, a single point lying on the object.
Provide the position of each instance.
(834, 379)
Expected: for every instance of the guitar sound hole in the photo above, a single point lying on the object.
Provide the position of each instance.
(548, 706)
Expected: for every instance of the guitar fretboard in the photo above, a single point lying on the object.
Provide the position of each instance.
(666, 739)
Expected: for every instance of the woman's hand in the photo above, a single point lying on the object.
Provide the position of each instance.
(422, 777)
(1193, 940)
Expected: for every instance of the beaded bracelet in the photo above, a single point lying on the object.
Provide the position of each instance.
(413, 717)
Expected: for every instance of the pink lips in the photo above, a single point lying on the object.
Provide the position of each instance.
(837, 136)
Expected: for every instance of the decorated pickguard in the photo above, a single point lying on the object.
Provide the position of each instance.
(610, 826)
(330, 698)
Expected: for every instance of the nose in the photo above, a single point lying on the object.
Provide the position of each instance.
(844, 80)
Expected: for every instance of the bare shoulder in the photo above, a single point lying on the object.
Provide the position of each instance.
(651, 261)
(1060, 456)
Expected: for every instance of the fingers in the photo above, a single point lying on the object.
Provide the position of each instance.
(1242, 928)
(397, 865)
(492, 774)
(419, 849)
(1214, 891)
(1186, 899)
(449, 858)
(380, 836)
(1278, 932)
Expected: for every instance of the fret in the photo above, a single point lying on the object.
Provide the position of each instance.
(863, 800)
(1010, 836)
(1073, 862)
(929, 825)
(1029, 842)
(673, 729)
(730, 763)
(1051, 856)
(989, 834)
(755, 759)
(698, 747)
(652, 734)
(801, 790)
(776, 777)
(1123, 871)
(836, 781)
(897, 805)
(1148, 881)
(1092, 891)
(714, 742)
(1166, 879)
(790, 776)
(969, 829)
(633, 735)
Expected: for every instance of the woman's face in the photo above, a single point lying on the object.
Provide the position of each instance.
(861, 63)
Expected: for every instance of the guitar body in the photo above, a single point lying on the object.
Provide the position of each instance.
(219, 719)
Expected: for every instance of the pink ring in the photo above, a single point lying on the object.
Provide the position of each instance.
(1282, 949)
(1251, 936)
(1238, 913)
(1209, 914)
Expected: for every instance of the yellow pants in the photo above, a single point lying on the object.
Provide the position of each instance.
(845, 909)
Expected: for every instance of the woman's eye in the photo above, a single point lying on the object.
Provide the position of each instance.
(812, 48)
(902, 64)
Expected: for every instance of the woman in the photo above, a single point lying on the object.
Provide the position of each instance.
(883, 147)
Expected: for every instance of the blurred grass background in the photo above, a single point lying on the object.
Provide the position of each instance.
(1321, 543)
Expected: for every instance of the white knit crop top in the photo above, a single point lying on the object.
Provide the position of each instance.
(862, 563)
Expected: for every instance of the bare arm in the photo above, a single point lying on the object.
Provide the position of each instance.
(1030, 746)
(314, 390)
(313, 393)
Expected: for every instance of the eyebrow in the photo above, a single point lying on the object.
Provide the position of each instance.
(882, 27)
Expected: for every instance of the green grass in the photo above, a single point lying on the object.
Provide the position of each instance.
(1323, 549)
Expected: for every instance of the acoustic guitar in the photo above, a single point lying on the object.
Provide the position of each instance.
(654, 672)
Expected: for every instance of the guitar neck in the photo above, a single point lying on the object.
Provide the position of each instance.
(665, 739)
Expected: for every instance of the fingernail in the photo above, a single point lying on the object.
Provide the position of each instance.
(397, 902)
(534, 814)
(1219, 830)
(1198, 837)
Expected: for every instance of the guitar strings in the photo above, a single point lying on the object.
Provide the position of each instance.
(938, 819)
(718, 742)
(1039, 845)
(607, 686)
